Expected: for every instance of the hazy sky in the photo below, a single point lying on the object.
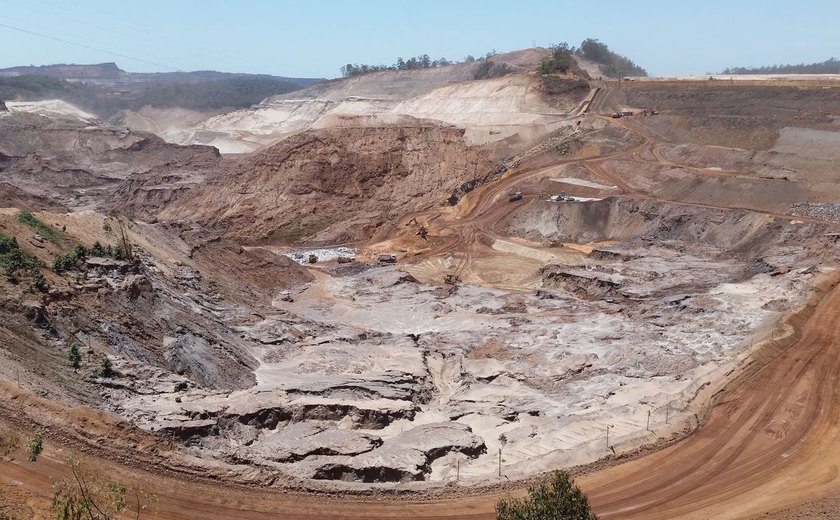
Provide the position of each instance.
(313, 38)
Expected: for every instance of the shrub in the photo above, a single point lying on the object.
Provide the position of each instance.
(107, 368)
(36, 445)
(39, 283)
(86, 495)
(555, 498)
(560, 60)
(490, 69)
(74, 356)
(80, 252)
(64, 263)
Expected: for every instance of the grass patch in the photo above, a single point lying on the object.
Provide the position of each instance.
(45, 230)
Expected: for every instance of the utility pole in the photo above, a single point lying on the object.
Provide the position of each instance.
(647, 426)
(608, 435)
(500, 462)
(457, 470)
(667, 409)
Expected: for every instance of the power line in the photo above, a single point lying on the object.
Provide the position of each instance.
(215, 57)
(147, 62)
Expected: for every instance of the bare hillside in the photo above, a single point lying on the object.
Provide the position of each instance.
(489, 110)
(331, 184)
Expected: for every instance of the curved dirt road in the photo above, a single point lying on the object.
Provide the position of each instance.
(773, 441)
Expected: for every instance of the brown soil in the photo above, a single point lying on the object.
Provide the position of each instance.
(363, 179)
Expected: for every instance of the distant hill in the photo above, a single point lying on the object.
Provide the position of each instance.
(109, 74)
(829, 66)
(105, 89)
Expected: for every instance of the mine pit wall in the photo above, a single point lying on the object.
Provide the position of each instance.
(719, 233)
(721, 83)
(328, 185)
(742, 115)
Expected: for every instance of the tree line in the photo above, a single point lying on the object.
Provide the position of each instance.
(415, 63)
(829, 66)
(609, 63)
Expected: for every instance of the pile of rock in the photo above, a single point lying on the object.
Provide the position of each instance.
(821, 210)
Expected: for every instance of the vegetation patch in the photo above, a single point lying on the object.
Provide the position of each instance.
(13, 259)
(36, 445)
(611, 64)
(42, 228)
(557, 85)
(416, 63)
(560, 60)
(558, 497)
(80, 253)
(85, 494)
(491, 69)
(829, 66)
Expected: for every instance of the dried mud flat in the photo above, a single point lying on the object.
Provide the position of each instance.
(584, 329)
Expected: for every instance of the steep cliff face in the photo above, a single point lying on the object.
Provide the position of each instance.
(332, 184)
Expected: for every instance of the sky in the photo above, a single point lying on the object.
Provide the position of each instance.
(314, 38)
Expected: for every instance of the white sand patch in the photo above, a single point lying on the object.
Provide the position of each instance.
(323, 255)
(584, 183)
(52, 108)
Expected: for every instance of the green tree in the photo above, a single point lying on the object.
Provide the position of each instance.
(97, 249)
(556, 498)
(546, 65)
(106, 368)
(610, 63)
(74, 356)
(593, 50)
(80, 252)
(36, 445)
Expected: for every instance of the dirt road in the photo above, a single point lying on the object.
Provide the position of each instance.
(772, 442)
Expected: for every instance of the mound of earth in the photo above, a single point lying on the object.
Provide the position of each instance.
(328, 185)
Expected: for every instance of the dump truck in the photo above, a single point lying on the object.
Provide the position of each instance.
(387, 259)
(515, 196)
